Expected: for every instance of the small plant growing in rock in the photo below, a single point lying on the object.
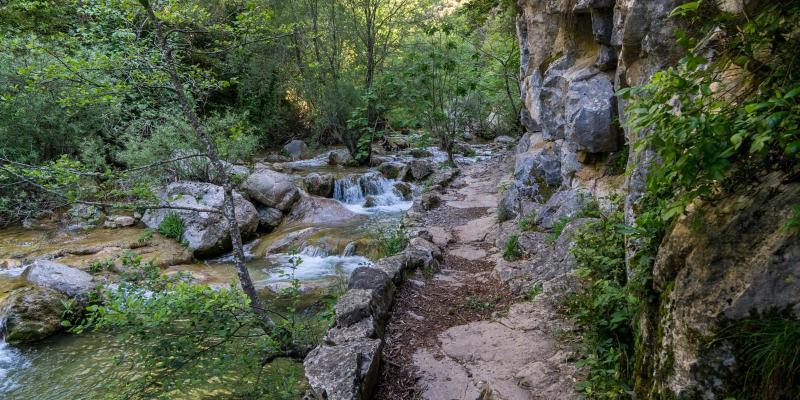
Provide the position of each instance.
(511, 249)
(483, 303)
(558, 228)
(533, 290)
(172, 227)
(98, 266)
(528, 223)
(392, 241)
(146, 236)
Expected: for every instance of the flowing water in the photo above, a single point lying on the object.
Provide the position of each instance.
(75, 366)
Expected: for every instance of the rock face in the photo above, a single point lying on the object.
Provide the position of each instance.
(206, 232)
(64, 279)
(271, 189)
(724, 262)
(268, 218)
(31, 314)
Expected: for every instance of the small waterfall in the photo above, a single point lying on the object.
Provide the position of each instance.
(314, 251)
(11, 359)
(349, 250)
(368, 190)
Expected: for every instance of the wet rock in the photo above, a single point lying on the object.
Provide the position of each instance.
(420, 153)
(59, 277)
(290, 241)
(345, 372)
(319, 184)
(271, 189)
(404, 189)
(119, 221)
(419, 169)
(393, 170)
(429, 201)
(370, 202)
(268, 218)
(31, 314)
(206, 233)
(296, 149)
(339, 157)
(318, 210)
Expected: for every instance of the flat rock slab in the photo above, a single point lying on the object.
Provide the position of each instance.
(475, 230)
(468, 252)
(441, 236)
(485, 356)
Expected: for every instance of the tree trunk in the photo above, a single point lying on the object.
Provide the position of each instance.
(228, 208)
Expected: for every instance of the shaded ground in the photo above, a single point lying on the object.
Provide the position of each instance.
(461, 332)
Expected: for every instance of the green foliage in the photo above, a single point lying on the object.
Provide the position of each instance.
(483, 303)
(511, 249)
(533, 291)
(603, 309)
(528, 223)
(172, 227)
(99, 266)
(704, 127)
(558, 228)
(189, 337)
(768, 350)
(392, 241)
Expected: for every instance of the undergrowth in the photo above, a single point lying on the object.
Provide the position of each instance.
(511, 249)
(172, 227)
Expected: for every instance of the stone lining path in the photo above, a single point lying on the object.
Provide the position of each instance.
(460, 332)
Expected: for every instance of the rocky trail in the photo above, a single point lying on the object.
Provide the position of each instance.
(462, 332)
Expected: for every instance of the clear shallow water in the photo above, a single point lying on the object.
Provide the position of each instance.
(77, 366)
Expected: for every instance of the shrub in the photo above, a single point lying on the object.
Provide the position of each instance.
(603, 309)
(558, 228)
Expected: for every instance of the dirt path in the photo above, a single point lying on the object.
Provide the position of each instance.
(460, 332)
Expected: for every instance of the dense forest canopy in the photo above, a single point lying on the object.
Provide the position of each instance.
(84, 85)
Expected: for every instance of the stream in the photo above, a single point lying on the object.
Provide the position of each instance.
(70, 366)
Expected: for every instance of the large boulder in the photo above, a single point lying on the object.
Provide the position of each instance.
(319, 184)
(271, 189)
(393, 169)
(296, 149)
(62, 278)
(206, 233)
(31, 314)
(268, 218)
(317, 210)
(339, 157)
(419, 169)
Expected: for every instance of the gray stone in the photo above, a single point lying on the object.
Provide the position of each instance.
(339, 157)
(420, 153)
(419, 169)
(345, 372)
(536, 167)
(393, 170)
(364, 329)
(422, 253)
(271, 189)
(404, 189)
(119, 221)
(429, 201)
(589, 112)
(369, 278)
(296, 149)
(268, 218)
(565, 203)
(205, 232)
(31, 314)
(319, 184)
(59, 277)
(394, 267)
(370, 201)
(353, 306)
(318, 210)
(548, 99)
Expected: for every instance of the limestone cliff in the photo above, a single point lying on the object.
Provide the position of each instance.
(722, 262)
